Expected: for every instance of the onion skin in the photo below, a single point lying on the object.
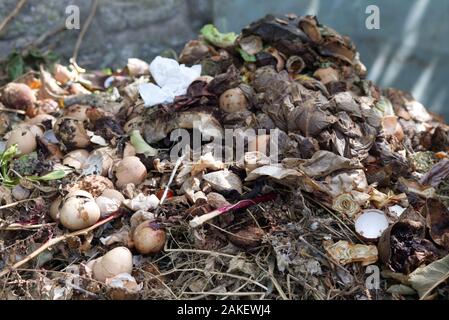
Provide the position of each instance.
(149, 237)
(345, 204)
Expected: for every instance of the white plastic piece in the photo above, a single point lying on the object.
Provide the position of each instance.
(172, 80)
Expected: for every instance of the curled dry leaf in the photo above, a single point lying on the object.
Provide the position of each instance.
(428, 278)
(310, 120)
(123, 287)
(322, 164)
(248, 237)
(437, 217)
(288, 177)
(437, 174)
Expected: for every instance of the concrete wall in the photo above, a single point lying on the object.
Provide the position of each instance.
(410, 51)
(120, 29)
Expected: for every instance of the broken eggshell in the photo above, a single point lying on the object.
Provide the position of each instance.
(371, 223)
(142, 202)
(76, 158)
(109, 202)
(114, 262)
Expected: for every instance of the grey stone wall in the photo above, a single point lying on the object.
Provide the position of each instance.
(120, 29)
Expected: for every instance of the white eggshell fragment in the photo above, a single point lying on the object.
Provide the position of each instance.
(371, 224)
(114, 262)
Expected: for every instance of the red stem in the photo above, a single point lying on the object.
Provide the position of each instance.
(243, 204)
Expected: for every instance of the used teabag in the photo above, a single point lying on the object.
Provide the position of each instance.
(172, 80)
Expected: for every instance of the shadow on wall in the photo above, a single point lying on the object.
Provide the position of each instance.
(410, 51)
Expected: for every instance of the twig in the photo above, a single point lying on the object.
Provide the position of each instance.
(323, 255)
(211, 293)
(172, 176)
(18, 226)
(215, 273)
(325, 207)
(12, 204)
(23, 76)
(89, 19)
(198, 221)
(50, 243)
(12, 110)
(11, 16)
(43, 37)
(213, 253)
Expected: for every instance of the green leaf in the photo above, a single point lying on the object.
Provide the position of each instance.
(140, 144)
(169, 53)
(384, 107)
(426, 279)
(246, 56)
(107, 71)
(7, 155)
(55, 175)
(5, 161)
(35, 53)
(15, 66)
(222, 40)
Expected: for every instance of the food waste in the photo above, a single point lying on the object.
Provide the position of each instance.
(355, 175)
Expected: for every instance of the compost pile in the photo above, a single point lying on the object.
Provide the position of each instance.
(93, 206)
